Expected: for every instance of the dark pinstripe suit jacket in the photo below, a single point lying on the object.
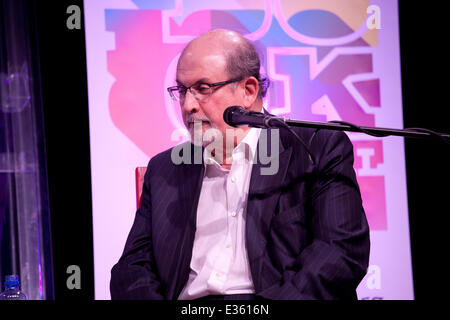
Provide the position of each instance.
(306, 232)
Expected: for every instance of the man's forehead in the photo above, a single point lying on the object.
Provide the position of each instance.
(215, 44)
(194, 65)
(199, 58)
(204, 47)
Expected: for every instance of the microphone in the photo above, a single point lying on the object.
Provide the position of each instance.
(237, 116)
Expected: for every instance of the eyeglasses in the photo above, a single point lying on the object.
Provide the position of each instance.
(201, 91)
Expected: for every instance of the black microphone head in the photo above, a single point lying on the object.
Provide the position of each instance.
(228, 114)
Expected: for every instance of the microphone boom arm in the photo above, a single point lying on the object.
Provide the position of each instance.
(237, 116)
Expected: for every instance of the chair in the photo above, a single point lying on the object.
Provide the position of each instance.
(140, 173)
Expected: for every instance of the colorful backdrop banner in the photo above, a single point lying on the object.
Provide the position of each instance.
(327, 60)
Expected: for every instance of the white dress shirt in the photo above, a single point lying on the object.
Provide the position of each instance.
(219, 263)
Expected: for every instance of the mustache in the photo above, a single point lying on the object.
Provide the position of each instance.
(196, 118)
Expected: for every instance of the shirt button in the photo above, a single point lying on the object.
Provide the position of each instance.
(233, 214)
(218, 275)
(233, 179)
(228, 245)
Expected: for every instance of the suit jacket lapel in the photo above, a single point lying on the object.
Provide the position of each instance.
(264, 192)
(191, 178)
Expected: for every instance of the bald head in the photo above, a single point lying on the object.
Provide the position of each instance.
(237, 54)
(218, 41)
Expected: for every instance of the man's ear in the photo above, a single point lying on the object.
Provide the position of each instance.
(251, 88)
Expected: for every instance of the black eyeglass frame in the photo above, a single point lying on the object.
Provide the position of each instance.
(210, 85)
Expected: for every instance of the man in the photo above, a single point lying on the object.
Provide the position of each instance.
(221, 229)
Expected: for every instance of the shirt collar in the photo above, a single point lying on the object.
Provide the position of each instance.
(249, 142)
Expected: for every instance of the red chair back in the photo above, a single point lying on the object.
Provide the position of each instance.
(140, 173)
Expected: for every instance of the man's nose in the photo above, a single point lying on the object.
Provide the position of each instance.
(190, 103)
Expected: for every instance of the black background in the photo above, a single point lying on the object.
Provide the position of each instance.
(424, 64)
(66, 117)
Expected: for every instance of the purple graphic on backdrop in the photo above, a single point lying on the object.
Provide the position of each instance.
(318, 83)
(321, 59)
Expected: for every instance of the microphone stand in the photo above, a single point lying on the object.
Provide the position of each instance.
(237, 116)
(271, 121)
(374, 131)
